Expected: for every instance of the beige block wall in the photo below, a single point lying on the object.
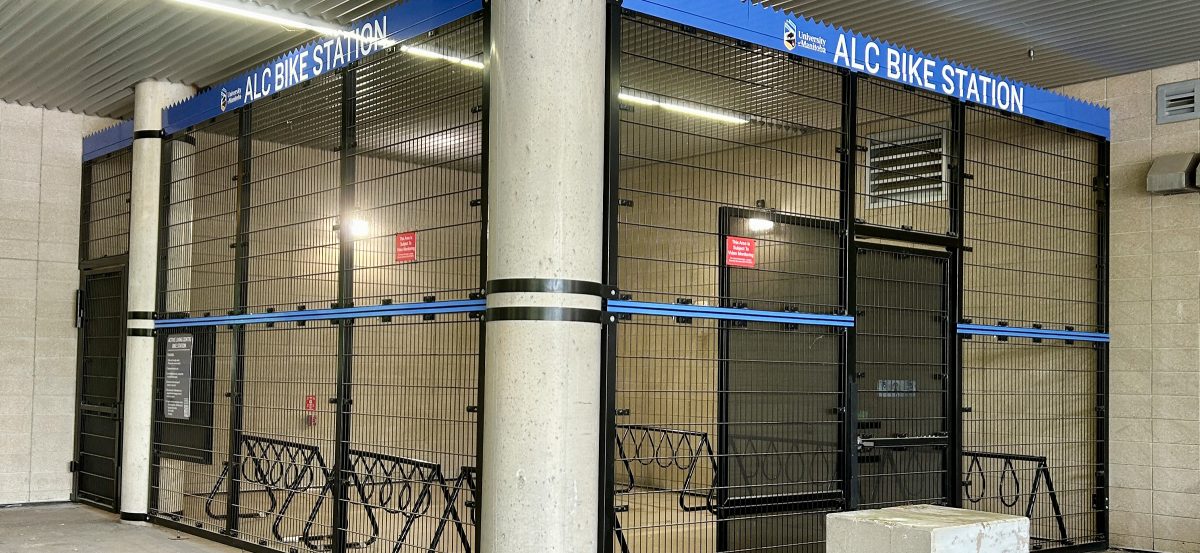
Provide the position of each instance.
(1155, 314)
(40, 168)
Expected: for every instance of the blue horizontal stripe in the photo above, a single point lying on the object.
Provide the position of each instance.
(391, 310)
(726, 313)
(1022, 332)
(108, 140)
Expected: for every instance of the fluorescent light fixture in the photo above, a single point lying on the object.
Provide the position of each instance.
(280, 17)
(681, 108)
(359, 228)
(758, 224)
(635, 99)
(425, 53)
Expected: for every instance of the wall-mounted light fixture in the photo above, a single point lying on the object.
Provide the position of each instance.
(359, 228)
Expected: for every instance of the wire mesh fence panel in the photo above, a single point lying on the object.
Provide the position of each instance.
(286, 447)
(411, 466)
(903, 375)
(727, 438)
(295, 139)
(191, 471)
(419, 130)
(194, 367)
(413, 440)
(1034, 220)
(903, 158)
(104, 212)
(199, 219)
(1030, 438)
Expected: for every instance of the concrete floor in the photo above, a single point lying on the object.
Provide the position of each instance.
(65, 528)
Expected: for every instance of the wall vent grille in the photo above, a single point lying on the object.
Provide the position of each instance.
(1177, 101)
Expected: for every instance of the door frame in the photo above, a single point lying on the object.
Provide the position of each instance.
(115, 263)
(952, 481)
(799, 503)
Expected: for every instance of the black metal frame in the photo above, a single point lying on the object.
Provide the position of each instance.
(337, 482)
(87, 269)
(952, 246)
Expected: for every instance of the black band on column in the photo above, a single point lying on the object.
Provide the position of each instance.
(550, 285)
(566, 314)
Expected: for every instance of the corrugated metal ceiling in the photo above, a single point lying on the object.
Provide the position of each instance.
(84, 55)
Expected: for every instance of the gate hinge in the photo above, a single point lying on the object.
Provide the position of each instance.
(72, 466)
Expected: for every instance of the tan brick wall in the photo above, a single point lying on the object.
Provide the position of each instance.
(1155, 314)
(40, 168)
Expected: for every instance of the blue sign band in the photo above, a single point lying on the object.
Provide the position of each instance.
(726, 313)
(390, 310)
(1024, 332)
(108, 140)
(764, 26)
(364, 37)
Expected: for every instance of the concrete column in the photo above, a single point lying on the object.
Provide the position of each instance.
(149, 98)
(545, 233)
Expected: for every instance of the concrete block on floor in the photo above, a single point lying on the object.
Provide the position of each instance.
(926, 529)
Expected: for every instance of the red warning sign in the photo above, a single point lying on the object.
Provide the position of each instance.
(310, 405)
(739, 252)
(406, 247)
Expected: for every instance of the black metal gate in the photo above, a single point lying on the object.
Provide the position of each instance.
(903, 375)
(101, 319)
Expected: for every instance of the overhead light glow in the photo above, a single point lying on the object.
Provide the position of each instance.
(279, 17)
(759, 224)
(359, 228)
(425, 53)
(681, 108)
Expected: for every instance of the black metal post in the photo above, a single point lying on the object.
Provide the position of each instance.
(953, 382)
(608, 365)
(483, 233)
(85, 209)
(344, 400)
(848, 467)
(241, 272)
(1100, 499)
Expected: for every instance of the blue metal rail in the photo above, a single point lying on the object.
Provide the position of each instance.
(389, 310)
(727, 313)
(1023, 332)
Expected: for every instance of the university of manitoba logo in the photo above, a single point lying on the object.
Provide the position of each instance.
(224, 99)
(789, 34)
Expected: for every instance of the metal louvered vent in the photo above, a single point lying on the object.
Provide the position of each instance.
(906, 166)
(1177, 101)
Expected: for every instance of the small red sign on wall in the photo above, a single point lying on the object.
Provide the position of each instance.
(739, 252)
(406, 247)
(310, 405)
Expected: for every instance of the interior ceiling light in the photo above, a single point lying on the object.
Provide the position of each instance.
(426, 53)
(703, 113)
(269, 14)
